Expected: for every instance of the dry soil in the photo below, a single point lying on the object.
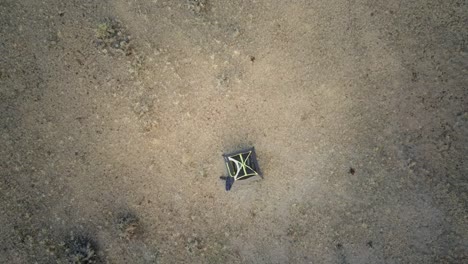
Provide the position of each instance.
(114, 116)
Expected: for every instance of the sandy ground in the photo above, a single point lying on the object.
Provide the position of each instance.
(114, 116)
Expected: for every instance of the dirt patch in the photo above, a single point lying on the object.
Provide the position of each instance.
(357, 112)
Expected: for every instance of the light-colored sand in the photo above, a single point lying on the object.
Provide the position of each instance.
(114, 116)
